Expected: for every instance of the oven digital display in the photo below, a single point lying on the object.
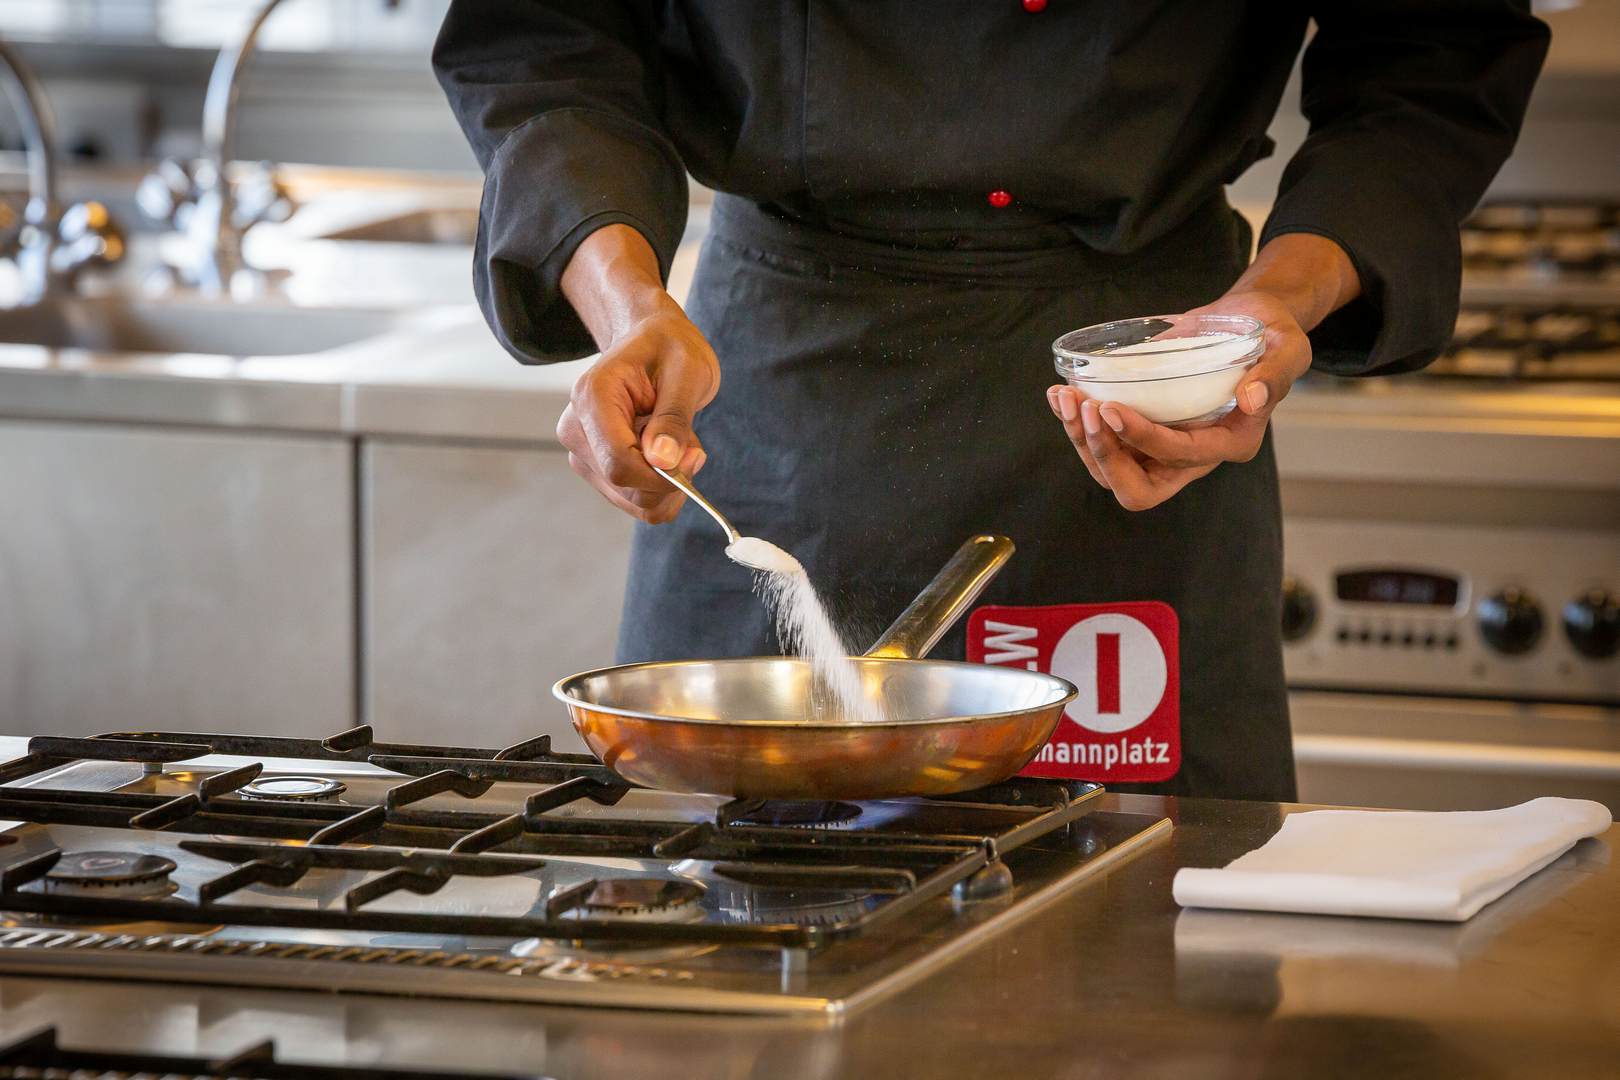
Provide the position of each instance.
(1390, 586)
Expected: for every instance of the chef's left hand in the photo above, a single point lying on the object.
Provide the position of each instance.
(1144, 463)
(1297, 281)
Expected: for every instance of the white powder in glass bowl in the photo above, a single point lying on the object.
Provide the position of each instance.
(1187, 377)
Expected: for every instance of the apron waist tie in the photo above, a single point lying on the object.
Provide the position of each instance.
(1048, 255)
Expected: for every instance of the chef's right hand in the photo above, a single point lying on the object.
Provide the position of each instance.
(636, 404)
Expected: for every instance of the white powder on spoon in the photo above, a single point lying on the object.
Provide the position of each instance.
(804, 628)
(762, 555)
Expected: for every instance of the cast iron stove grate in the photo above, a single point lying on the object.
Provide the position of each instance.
(406, 847)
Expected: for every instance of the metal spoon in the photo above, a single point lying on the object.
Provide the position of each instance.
(684, 482)
(749, 551)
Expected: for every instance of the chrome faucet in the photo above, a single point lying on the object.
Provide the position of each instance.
(211, 207)
(49, 247)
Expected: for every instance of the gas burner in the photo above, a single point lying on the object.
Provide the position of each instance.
(104, 873)
(293, 789)
(806, 815)
(648, 898)
(800, 907)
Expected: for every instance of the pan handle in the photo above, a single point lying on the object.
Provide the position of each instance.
(945, 599)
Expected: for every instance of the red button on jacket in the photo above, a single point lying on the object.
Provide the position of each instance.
(1034, 6)
(999, 199)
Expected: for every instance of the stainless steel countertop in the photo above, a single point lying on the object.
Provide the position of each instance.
(1113, 980)
(448, 380)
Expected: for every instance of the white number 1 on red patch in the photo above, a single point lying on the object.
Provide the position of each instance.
(1126, 723)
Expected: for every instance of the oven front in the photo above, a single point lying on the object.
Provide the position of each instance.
(1450, 623)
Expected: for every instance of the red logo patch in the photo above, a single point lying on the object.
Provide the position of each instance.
(1126, 723)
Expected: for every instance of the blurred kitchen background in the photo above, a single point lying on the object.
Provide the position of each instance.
(327, 498)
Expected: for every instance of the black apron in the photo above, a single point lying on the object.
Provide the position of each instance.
(882, 401)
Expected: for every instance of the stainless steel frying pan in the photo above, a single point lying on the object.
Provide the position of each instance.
(749, 728)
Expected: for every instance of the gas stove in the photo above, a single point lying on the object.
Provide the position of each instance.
(1543, 241)
(1540, 293)
(1535, 342)
(513, 874)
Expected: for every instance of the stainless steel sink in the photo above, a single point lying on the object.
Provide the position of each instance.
(186, 325)
(428, 226)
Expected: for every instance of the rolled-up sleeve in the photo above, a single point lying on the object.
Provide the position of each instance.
(1413, 107)
(560, 103)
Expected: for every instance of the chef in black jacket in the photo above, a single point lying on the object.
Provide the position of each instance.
(914, 201)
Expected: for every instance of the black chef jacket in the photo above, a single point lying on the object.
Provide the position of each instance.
(916, 199)
(1116, 120)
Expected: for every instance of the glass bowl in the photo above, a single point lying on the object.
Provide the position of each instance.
(1172, 369)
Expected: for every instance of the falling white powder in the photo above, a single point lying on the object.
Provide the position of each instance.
(805, 630)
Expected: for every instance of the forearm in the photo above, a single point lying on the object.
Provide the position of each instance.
(613, 283)
(1310, 275)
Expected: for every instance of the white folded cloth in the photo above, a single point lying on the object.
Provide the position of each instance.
(1395, 864)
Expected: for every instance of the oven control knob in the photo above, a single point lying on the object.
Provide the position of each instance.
(1298, 609)
(1510, 621)
(1592, 624)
